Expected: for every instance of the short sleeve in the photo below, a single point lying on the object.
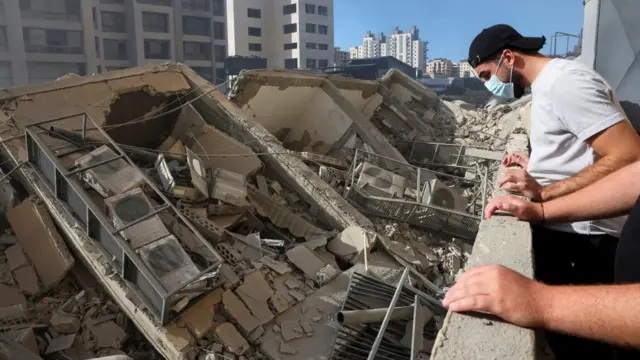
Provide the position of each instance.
(585, 104)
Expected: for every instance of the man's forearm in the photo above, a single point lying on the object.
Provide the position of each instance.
(605, 313)
(586, 177)
(611, 196)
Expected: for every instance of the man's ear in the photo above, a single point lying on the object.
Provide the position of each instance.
(509, 57)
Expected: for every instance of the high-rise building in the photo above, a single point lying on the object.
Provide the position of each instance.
(404, 46)
(340, 57)
(440, 68)
(465, 69)
(290, 34)
(45, 39)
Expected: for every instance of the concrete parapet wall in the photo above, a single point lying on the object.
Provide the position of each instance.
(501, 240)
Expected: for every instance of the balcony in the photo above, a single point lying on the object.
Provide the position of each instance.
(196, 5)
(44, 15)
(155, 2)
(53, 49)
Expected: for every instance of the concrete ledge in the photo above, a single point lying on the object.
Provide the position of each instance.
(502, 240)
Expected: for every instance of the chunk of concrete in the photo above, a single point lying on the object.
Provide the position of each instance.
(41, 241)
(228, 276)
(306, 260)
(236, 309)
(275, 265)
(64, 323)
(25, 337)
(60, 343)
(108, 335)
(252, 253)
(279, 302)
(352, 240)
(287, 349)
(199, 317)
(27, 280)
(291, 329)
(10, 295)
(15, 257)
(232, 340)
(255, 292)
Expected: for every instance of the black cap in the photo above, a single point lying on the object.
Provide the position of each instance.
(491, 40)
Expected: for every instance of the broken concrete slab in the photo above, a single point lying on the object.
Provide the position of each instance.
(311, 264)
(232, 340)
(239, 313)
(255, 292)
(228, 276)
(15, 257)
(251, 252)
(291, 329)
(27, 280)
(64, 323)
(108, 335)
(327, 300)
(200, 317)
(10, 295)
(25, 337)
(275, 265)
(279, 302)
(60, 343)
(287, 349)
(351, 240)
(41, 241)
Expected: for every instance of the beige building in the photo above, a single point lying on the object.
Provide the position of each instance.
(465, 69)
(404, 46)
(440, 68)
(290, 34)
(41, 40)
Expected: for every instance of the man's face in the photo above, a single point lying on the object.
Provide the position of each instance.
(502, 68)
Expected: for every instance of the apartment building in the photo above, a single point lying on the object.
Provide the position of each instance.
(340, 57)
(404, 46)
(465, 69)
(290, 34)
(440, 68)
(41, 40)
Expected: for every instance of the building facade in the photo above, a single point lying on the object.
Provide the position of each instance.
(440, 68)
(465, 69)
(340, 58)
(404, 46)
(290, 34)
(45, 39)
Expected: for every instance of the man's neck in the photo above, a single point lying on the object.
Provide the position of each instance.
(534, 66)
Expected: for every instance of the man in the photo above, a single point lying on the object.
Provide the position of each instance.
(604, 313)
(579, 134)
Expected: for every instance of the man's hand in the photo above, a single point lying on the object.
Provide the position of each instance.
(520, 208)
(516, 158)
(500, 291)
(520, 180)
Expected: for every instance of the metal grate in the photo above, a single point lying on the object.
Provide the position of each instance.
(354, 342)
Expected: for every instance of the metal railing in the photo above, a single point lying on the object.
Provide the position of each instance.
(423, 153)
(65, 186)
(413, 212)
(48, 49)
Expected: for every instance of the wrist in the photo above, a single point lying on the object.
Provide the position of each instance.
(545, 305)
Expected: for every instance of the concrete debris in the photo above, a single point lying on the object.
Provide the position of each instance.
(64, 323)
(350, 241)
(311, 264)
(108, 335)
(291, 330)
(239, 313)
(60, 343)
(15, 257)
(277, 266)
(287, 349)
(228, 276)
(255, 292)
(229, 336)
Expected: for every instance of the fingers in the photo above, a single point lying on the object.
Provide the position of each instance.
(508, 177)
(471, 303)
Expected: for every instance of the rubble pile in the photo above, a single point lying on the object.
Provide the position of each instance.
(217, 248)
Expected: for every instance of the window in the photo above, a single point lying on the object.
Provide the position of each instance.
(323, 29)
(290, 28)
(205, 72)
(53, 41)
(192, 25)
(309, 8)
(218, 30)
(254, 13)
(311, 28)
(311, 63)
(157, 49)
(290, 46)
(60, 10)
(115, 49)
(220, 53)
(156, 2)
(323, 46)
(94, 16)
(323, 10)
(218, 8)
(255, 47)
(197, 50)
(289, 9)
(221, 75)
(199, 5)
(4, 45)
(155, 22)
(113, 22)
(41, 71)
(290, 63)
(6, 74)
(323, 63)
(97, 43)
(311, 45)
(254, 31)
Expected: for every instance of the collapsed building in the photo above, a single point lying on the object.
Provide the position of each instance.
(243, 225)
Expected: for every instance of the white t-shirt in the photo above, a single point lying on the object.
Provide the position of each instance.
(571, 103)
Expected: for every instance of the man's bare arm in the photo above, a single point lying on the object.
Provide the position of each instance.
(604, 313)
(614, 195)
(618, 146)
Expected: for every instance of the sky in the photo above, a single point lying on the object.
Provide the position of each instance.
(450, 25)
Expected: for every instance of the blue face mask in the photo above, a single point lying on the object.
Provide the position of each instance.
(497, 87)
